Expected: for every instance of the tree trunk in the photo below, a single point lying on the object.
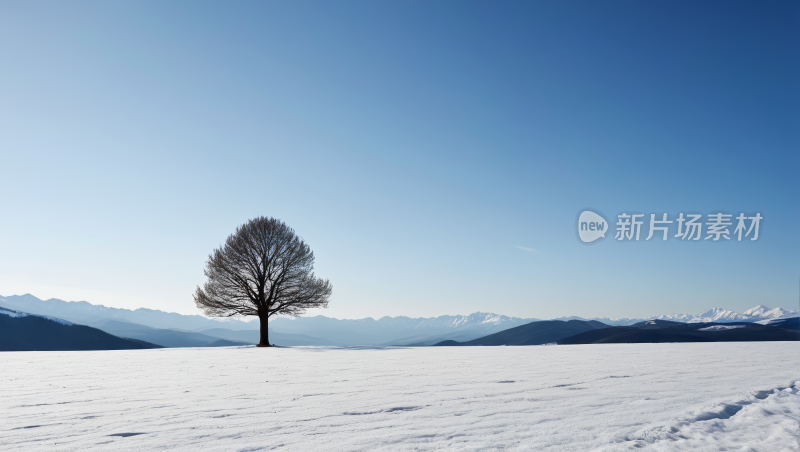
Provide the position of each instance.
(264, 332)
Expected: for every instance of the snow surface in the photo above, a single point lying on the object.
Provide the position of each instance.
(721, 327)
(700, 396)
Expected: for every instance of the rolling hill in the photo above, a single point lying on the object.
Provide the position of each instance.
(534, 333)
(20, 331)
(164, 337)
(655, 332)
(214, 337)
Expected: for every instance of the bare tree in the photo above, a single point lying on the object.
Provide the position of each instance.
(263, 269)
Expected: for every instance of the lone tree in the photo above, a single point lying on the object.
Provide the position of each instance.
(263, 269)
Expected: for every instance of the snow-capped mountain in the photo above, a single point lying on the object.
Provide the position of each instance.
(483, 319)
(608, 321)
(720, 315)
(780, 313)
(672, 317)
(757, 311)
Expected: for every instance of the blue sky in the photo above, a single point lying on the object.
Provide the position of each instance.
(416, 146)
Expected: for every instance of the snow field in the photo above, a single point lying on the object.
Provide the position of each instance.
(739, 396)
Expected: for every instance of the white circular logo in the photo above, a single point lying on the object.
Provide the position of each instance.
(591, 226)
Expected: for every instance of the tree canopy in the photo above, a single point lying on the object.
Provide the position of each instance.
(263, 269)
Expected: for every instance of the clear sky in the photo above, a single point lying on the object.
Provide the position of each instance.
(419, 148)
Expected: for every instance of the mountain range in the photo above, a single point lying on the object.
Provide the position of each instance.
(316, 330)
(82, 312)
(172, 329)
(399, 330)
(20, 331)
(573, 332)
(755, 314)
(213, 337)
(164, 337)
(660, 331)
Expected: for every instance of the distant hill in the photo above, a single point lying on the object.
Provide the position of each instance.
(655, 331)
(207, 338)
(789, 324)
(398, 330)
(534, 333)
(82, 312)
(225, 343)
(254, 337)
(163, 337)
(20, 331)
